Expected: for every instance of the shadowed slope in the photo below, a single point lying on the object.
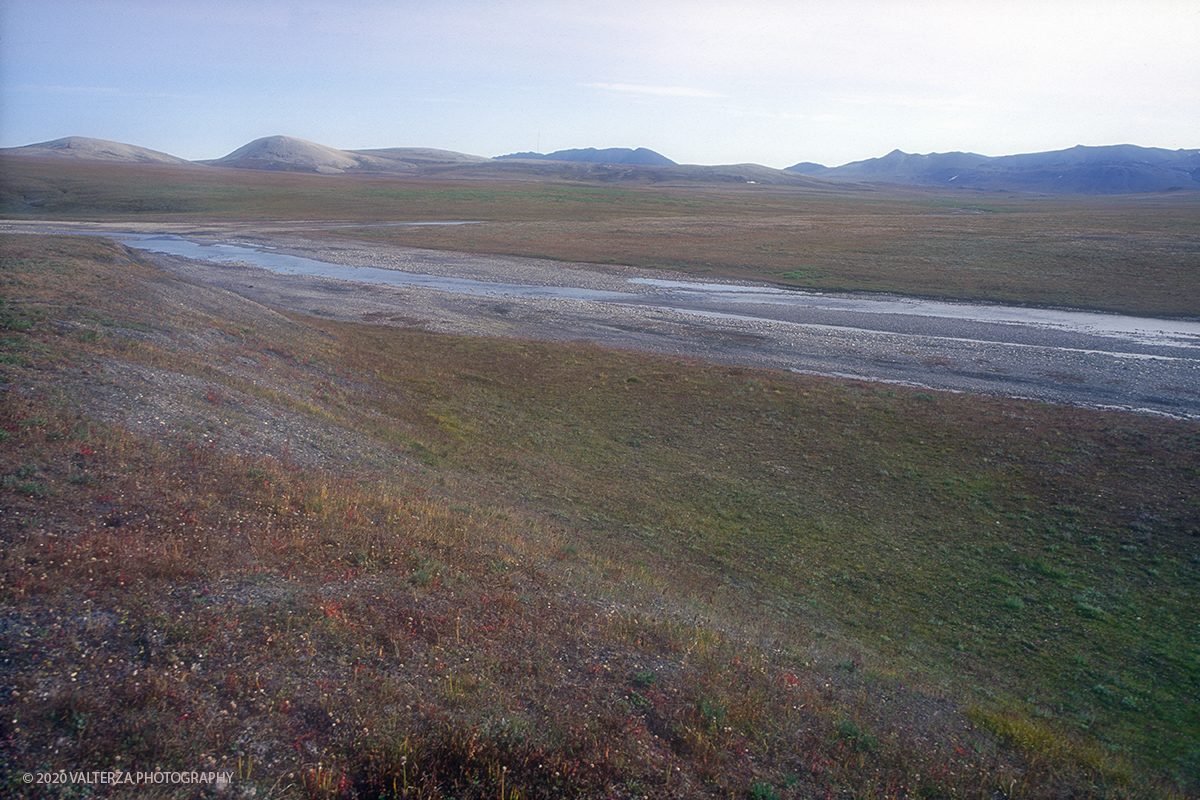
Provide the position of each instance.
(1115, 169)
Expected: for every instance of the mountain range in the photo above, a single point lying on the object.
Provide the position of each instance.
(1115, 169)
(288, 154)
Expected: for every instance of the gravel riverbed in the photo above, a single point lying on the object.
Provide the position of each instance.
(997, 358)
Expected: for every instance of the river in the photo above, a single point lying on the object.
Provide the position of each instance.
(1093, 359)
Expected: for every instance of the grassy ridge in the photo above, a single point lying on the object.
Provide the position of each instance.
(559, 570)
(1138, 255)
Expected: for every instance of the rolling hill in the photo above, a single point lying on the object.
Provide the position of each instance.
(289, 154)
(612, 155)
(286, 153)
(82, 148)
(1114, 169)
(297, 155)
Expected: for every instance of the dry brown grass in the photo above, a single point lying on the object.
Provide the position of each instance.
(1135, 256)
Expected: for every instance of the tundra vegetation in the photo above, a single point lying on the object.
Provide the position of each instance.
(1136, 254)
(369, 560)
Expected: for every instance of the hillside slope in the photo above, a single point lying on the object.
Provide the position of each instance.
(286, 153)
(361, 559)
(82, 148)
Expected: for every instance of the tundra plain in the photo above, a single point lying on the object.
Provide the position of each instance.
(366, 559)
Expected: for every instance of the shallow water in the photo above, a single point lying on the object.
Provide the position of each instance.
(267, 258)
(773, 304)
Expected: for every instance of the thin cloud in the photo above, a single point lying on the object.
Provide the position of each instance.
(767, 81)
(29, 87)
(667, 91)
(109, 91)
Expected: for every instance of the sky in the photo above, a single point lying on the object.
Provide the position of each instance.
(760, 81)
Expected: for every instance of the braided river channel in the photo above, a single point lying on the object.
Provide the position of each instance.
(1093, 359)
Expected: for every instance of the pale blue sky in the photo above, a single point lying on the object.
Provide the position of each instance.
(701, 82)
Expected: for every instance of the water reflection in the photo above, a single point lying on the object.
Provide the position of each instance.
(268, 258)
